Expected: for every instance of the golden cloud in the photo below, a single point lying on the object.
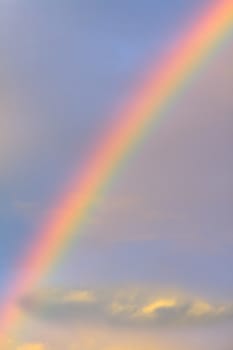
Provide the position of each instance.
(31, 347)
(79, 296)
(158, 304)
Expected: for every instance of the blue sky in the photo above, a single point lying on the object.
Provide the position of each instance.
(166, 222)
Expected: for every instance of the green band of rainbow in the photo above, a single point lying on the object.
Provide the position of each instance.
(160, 87)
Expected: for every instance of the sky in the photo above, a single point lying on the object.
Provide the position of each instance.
(152, 269)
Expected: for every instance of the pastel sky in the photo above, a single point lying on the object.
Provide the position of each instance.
(153, 268)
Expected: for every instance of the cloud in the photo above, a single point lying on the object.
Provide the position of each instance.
(79, 296)
(106, 339)
(31, 347)
(158, 304)
(132, 307)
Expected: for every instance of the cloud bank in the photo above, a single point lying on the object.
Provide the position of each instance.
(132, 307)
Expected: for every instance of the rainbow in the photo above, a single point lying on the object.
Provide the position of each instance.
(161, 86)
